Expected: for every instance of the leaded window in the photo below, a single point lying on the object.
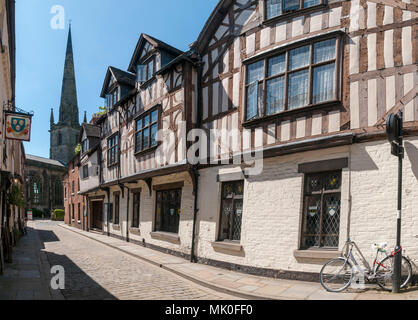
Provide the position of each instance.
(136, 209)
(168, 209)
(231, 211)
(36, 190)
(276, 8)
(146, 130)
(321, 224)
(298, 77)
(113, 150)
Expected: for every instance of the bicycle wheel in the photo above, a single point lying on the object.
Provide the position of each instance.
(384, 272)
(336, 275)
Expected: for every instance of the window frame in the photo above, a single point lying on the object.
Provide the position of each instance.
(323, 3)
(140, 117)
(85, 171)
(146, 70)
(234, 197)
(84, 145)
(322, 193)
(112, 149)
(177, 190)
(116, 208)
(310, 67)
(136, 216)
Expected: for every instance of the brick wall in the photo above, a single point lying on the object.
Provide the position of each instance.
(74, 198)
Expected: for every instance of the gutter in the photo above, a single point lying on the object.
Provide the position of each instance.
(195, 169)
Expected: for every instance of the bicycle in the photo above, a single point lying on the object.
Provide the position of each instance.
(337, 274)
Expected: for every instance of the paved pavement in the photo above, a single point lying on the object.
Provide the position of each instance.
(28, 276)
(93, 271)
(99, 267)
(244, 285)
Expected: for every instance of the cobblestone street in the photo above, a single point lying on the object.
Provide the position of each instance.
(95, 271)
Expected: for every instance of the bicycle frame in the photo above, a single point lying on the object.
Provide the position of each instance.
(370, 273)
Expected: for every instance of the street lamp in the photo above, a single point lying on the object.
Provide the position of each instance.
(394, 130)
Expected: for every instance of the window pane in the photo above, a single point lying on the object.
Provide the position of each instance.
(255, 72)
(299, 58)
(236, 225)
(146, 121)
(154, 116)
(275, 96)
(154, 129)
(138, 141)
(145, 139)
(331, 220)
(274, 8)
(298, 89)
(139, 125)
(323, 83)
(289, 5)
(310, 3)
(150, 69)
(324, 50)
(277, 65)
(252, 101)
(312, 222)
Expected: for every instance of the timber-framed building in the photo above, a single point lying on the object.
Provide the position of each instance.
(307, 82)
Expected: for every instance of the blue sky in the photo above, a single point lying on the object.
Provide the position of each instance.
(105, 32)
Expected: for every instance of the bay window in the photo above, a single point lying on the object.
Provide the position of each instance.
(276, 8)
(298, 77)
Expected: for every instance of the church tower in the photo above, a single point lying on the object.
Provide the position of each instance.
(64, 134)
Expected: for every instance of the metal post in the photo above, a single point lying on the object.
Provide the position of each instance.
(396, 278)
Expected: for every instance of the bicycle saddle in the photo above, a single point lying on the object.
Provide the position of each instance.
(379, 246)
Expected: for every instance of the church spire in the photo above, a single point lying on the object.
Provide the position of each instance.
(52, 121)
(85, 117)
(69, 107)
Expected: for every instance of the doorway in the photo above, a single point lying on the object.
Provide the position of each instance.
(97, 215)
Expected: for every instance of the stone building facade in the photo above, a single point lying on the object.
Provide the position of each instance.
(304, 85)
(44, 184)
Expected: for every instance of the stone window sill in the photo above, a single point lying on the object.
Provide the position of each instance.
(116, 227)
(135, 231)
(227, 246)
(166, 236)
(79, 221)
(317, 254)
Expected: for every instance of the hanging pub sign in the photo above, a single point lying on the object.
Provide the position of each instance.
(18, 126)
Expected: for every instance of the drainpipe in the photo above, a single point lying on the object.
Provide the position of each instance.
(195, 170)
(127, 215)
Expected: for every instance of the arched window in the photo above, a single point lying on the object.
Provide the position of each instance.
(59, 138)
(58, 192)
(36, 190)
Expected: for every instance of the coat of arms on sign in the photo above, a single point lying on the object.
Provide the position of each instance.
(18, 127)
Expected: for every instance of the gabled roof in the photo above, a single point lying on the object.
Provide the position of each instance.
(157, 44)
(91, 130)
(212, 24)
(121, 77)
